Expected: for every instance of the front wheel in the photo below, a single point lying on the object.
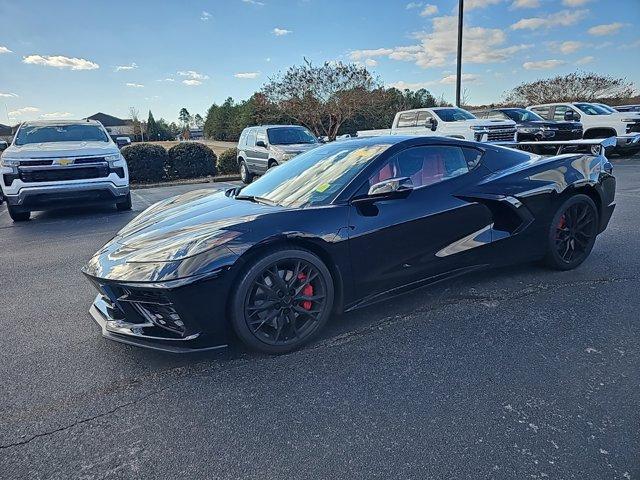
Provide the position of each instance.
(572, 233)
(17, 214)
(282, 301)
(245, 175)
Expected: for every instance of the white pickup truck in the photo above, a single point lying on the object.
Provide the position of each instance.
(598, 121)
(447, 122)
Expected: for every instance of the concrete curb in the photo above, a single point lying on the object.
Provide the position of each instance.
(189, 181)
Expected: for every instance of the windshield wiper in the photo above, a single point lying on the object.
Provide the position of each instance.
(254, 199)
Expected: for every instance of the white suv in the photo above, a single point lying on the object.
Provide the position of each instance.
(61, 164)
(598, 122)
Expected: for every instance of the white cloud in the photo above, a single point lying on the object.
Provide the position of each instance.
(4, 49)
(131, 66)
(254, 2)
(193, 75)
(466, 77)
(8, 95)
(563, 18)
(168, 79)
(55, 115)
(526, 4)
(570, 46)
(543, 64)
(134, 85)
(60, 61)
(370, 62)
(446, 80)
(429, 10)
(402, 85)
(205, 16)
(23, 111)
(575, 3)
(411, 5)
(247, 75)
(472, 4)
(606, 29)
(192, 82)
(585, 60)
(279, 32)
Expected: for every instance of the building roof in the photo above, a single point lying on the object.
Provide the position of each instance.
(109, 120)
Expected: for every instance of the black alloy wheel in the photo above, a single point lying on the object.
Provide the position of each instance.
(572, 233)
(282, 301)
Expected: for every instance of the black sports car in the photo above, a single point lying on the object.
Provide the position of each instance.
(532, 127)
(336, 228)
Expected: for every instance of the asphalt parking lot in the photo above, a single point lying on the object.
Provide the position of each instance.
(511, 373)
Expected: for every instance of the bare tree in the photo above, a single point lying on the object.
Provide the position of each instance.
(324, 97)
(135, 120)
(578, 86)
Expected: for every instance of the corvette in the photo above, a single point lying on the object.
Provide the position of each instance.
(340, 227)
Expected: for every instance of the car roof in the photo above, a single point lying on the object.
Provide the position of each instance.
(275, 126)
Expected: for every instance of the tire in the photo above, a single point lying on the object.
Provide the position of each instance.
(17, 214)
(272, 164)
(277, 315)
(125, 204)
(245, 175)
(572, 233)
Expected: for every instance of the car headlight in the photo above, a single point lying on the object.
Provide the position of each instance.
(288, 156)
(477, 127)
(114, 157)
(628, 120)
(9, 162)
(530, 129)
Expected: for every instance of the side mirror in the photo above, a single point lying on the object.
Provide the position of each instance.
(261, 143)
(571, 116)
(433, 124)
(3, 146)
(390, 189)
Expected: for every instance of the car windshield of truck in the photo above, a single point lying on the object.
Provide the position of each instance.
(591, 109)
(522, 115)
(313, 178)
(290, 136)
(28, 134)
(605, 107)
(454, 115)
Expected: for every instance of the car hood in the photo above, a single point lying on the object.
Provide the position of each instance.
(547, 123)
(61, 149)
(484, 123)
(175, 230)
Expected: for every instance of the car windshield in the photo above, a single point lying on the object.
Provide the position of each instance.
(605, 107)
(522, 115)
(28, 134)
(313, 178)
(290, 136)
(591, 109)
(454, 114)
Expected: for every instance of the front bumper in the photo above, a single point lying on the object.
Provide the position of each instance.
(51, 196)
(630, 141)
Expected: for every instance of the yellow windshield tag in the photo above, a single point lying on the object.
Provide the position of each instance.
(321, 188)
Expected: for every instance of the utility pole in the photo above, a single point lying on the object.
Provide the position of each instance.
(459, 68)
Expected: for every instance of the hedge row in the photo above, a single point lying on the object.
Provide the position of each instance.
(150, 163)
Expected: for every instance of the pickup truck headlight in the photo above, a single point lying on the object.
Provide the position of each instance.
(630, 120)
(477, 127)
(530, 129)
(113, 157)
(9, 162)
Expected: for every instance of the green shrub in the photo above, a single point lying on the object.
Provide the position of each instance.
(228, 162)
(190, 160)
(146, 162)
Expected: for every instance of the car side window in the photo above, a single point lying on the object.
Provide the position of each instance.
(559, 112)
(426, 165)
(261, 136)
(542, 111)
(423, 118)
(496, 114)
(243, 138)
(407, 119)
(251, 138)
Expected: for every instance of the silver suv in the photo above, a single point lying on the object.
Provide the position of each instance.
(264, 147)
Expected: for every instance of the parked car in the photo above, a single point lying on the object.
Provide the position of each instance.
(122, 142)
(62, 163)
(532, 127)
(337, 228)
(627, 108)
(447, 122)
(597, 122)
(264, 147)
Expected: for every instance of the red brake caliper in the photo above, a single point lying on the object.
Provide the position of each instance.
(561, 224)
(307, 291)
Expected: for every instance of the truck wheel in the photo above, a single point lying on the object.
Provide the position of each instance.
(17, 214)
(125, 204)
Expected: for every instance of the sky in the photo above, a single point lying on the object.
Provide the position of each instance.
(73, 58)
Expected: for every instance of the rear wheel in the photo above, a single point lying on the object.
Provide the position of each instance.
(125, 204)
(17, 214)
(245, 175)
(282, 301)
(572, 233)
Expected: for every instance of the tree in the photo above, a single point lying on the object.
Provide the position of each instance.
(185, 118)
(324, 97)
(198, 120)
(137, 126)
(578, 86)
(153, 133)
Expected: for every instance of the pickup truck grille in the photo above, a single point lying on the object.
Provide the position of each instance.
(633, 127)
(501, 136)
(62, 174)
